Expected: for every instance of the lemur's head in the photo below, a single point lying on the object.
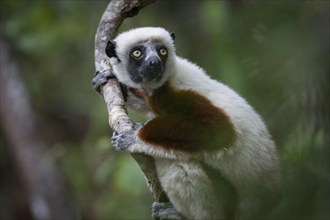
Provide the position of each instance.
(142, 57)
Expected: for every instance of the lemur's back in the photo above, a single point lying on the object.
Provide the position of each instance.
(251, 164)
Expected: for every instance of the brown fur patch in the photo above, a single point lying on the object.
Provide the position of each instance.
(186, 121)
(140, 93)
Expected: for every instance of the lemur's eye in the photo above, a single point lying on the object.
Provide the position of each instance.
(163, 52)
(137, 53)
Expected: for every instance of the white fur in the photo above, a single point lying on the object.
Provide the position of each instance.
(250, 163)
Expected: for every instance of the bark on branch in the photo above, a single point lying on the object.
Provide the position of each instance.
(119, 121)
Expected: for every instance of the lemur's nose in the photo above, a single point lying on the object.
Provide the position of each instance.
(154, 62)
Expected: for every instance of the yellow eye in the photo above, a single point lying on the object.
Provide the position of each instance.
(137, 53)
(163, 52)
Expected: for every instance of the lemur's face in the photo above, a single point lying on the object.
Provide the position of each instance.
(146, 61)
(142, 57)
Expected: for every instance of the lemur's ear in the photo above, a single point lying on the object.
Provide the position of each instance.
(172, 36)
(110, 49)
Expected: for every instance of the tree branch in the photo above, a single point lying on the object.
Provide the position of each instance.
(119, 121)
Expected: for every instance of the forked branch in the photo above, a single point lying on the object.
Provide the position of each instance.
(119, 121)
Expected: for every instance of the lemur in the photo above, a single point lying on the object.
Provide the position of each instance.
(214, 156)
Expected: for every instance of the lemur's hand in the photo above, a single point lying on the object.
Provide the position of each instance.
(122, 141)
(99, 79)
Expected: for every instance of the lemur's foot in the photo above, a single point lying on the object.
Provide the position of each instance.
(99, 79)
(122, 141)
(165, 211)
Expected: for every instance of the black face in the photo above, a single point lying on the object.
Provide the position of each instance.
(146, 62)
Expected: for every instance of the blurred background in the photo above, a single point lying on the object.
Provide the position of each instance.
(56, 158)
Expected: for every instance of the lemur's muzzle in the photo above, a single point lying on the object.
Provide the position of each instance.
(153, 69)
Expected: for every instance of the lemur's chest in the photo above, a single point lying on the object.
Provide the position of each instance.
(175, 175)
(168, 100)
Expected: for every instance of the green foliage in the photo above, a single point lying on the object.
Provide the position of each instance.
(274, 53)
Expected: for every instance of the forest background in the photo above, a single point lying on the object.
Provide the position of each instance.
(273, 53)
